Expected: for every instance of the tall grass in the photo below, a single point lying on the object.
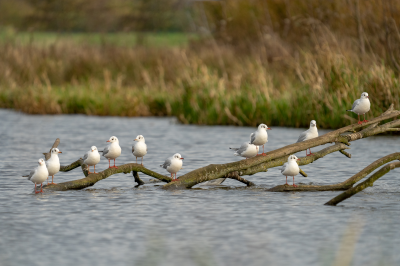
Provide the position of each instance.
(198, 85)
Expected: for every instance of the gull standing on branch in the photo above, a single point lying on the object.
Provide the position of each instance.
(53, 164)
(39, 175)
(291, 168)
(260, 137)
(361, 106)
(91, 158)
(311, 133)
(112, 151)
(247, 150)
(139, 149)
(173, 165)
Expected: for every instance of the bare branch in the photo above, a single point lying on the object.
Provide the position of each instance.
(360, 187)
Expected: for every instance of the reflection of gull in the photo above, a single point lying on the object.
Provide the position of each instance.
(112, 151)
(139, 149)
(39, 175)
(173, 164)
(92, 157)
(291, 168)
(361, 106)
(53, 164)
(260, 137)
(311, 133)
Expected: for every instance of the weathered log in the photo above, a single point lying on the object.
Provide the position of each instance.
(360, 187)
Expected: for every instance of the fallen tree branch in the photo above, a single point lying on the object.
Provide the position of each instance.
(360, 187)
(214, 171)
(92, 179)
(343, 185)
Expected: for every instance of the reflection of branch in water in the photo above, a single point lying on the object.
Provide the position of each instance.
(345, 253)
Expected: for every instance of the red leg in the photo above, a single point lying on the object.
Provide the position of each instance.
(286, 182)
(294, 183)
(52, 180)
(41, 188)
(359, 122)
(89, 169)
(94, 166)
(35, 190)
(365, 121)
(114, 164)
(310, 153)
(263, 154)
(109, 163)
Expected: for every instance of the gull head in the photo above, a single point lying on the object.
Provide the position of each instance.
(364, 95)
(263, 126)
(55, 151)
(93, 148)
(177, 156)
(113, 139)
(139, 138)
(41, 162)
(293, 158)
(313, 123)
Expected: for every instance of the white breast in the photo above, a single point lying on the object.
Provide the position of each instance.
(261, 137)
(292, 169)
(53, 165)
(362, 107)
(140, 149)
(175, 166)
(250, 152)
(40, 175)
(93, 158)
(114, 151)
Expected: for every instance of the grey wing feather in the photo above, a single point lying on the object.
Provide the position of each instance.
(283, 167)
(302, 136)
(252, 138)
(85, 156)
(356, 102)
(166, 163)
(31, 174)
(105, 151)
(242, 149)
(133, 148)
(235, 149)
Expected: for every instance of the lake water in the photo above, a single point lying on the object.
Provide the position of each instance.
(115, 223)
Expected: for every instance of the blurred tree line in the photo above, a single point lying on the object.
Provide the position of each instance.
(94, 15)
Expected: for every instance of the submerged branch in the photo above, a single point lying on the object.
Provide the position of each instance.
(360, 187)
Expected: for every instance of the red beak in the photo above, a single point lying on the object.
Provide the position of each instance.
(298, 159)
(59, 152)
(268, 128)
(181, 158)
(367, 96)
(107, 141)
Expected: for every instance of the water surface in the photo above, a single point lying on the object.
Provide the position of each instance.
(115, 223)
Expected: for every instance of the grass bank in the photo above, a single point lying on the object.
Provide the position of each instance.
(200, 84)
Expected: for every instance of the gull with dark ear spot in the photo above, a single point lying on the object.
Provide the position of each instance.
(112, 151)
(361, 106)
(139, 149)
(173, 164)
(39, 175)
(53, 164)
(92, 157)
(291, 168)
(260, 137)
(311, 133)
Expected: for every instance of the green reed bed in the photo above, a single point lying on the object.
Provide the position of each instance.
(198, 86)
